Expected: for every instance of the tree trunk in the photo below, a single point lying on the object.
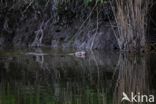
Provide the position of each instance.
(130, 16)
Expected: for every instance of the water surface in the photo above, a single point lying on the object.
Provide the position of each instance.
(48, 76)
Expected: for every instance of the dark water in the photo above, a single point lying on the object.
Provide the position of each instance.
(46, 76)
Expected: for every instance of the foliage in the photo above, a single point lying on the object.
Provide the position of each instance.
(95, 1)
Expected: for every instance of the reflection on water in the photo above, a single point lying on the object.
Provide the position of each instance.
(132, 77)
(44, 76)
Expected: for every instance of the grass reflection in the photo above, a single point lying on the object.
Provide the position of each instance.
(57, 80)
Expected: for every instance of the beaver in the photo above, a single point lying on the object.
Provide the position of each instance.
(81, 54)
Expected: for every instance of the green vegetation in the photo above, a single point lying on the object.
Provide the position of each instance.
(95, 1)
(38, 95)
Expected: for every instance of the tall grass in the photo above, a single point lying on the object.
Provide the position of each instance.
(131, 20)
